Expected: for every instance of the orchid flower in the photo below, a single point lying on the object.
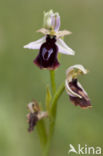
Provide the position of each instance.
(34, 115)
(76, 92)
(51, 43)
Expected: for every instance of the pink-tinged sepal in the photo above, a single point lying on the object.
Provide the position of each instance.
(55, 21)
(36, 44)
(64, 48)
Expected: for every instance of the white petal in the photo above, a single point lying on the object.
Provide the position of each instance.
(63, 48)
(36, 44)
(77, 66)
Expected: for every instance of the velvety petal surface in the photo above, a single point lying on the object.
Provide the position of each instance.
(32, 120)
(83, 101)
(47, 57)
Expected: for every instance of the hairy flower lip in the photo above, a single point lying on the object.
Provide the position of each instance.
(84, 101)
(74, 89)
(32, 119)
(42, 67)
(47, 57)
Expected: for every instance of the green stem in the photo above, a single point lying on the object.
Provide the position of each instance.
(52, 78)
(56, 97)
(46, 140)
(53, 116)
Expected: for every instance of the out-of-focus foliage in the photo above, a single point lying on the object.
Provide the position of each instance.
(21, 81)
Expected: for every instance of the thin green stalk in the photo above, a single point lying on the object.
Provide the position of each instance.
(56, 97)
(53, 116)
(54, 108)
(46, 140)
(53, 84)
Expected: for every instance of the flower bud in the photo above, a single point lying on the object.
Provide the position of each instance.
(51, 20)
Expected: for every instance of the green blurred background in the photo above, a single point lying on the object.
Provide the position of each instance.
(21, 81)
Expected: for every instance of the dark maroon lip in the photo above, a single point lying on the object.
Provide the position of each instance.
(84, 101)
(47, 57)
(32, 120)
